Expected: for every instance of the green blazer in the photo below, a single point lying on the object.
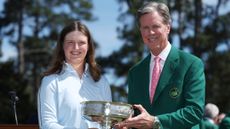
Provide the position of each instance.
(180, 95)
(206, 124)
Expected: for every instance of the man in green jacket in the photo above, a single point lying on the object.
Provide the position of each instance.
(167, 87)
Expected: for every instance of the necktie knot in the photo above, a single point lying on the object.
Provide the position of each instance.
(157, 59)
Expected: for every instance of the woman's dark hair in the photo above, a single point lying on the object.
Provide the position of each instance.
(59, 56)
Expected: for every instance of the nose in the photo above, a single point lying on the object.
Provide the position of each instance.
(76, 46)
(151, 31)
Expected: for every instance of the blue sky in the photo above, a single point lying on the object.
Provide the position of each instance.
(103, 29)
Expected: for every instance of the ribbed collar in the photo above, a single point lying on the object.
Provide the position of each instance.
(68, 69)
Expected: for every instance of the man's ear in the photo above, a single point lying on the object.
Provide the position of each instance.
(168, 28)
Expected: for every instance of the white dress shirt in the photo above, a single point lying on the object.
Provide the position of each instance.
(163, 56)
(60, 95)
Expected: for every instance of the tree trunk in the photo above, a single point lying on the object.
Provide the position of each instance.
(197, 28)
(20, 43)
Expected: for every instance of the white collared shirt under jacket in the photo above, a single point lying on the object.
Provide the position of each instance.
(60, 95)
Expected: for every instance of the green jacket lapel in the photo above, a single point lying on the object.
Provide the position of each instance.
(139, 82)
(145, 79)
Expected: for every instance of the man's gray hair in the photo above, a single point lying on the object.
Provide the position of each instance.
(150, 7)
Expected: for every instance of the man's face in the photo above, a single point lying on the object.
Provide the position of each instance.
(154, 32)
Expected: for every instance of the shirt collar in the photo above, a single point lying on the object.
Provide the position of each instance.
(164, 53)
(68, 69)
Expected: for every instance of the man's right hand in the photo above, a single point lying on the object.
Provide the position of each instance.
(142, 121)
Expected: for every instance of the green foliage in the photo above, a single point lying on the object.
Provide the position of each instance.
(0, 47)
(217, 76)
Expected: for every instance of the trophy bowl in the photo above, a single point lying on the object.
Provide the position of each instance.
(106, 113)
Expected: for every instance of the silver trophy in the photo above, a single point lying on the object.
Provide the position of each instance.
(106, 113)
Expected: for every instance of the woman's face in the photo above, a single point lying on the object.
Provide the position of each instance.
(75, 47)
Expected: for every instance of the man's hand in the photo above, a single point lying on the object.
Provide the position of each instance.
(142, 121)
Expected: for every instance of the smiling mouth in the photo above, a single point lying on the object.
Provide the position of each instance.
(76, 53)
(152, 39)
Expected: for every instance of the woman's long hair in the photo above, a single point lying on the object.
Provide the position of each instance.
(59, 56)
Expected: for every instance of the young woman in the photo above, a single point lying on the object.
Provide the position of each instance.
(73, 77)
